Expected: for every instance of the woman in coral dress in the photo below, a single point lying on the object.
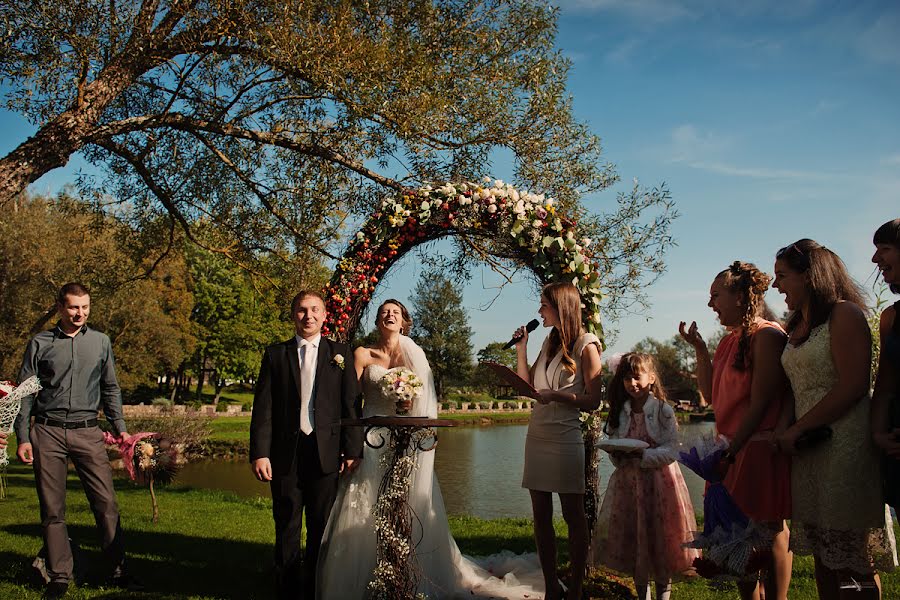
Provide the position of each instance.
(747, 387)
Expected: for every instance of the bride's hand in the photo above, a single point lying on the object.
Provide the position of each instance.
(404, 406)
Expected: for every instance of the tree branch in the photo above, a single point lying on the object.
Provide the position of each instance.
(182, 122)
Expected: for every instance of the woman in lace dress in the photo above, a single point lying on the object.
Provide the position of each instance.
(839, 515)
(566, 374)
(348, 555)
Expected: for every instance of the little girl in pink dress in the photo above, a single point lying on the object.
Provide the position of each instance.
(647, 513)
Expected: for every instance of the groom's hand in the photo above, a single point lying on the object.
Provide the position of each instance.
(348, 464)
(262, 468)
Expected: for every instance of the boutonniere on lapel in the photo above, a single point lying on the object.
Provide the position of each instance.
(338, 361)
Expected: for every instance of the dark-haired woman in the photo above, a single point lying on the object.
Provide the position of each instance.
(886, 397)
(838, 510)
(567, 376)
(746, 387)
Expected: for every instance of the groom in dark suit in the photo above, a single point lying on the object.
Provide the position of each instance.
(306, 386)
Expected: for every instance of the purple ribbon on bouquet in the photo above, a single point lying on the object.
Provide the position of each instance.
(719, 509)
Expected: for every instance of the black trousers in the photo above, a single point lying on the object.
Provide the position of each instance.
(306, 489)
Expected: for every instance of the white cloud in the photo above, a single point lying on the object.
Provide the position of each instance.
(824, 107)
(703, 150)
(666, 11)
(646, 11)
(881, 41)
(688, 143)
(622, 54)
(757, 172)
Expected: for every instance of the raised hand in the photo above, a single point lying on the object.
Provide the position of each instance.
(691, 335)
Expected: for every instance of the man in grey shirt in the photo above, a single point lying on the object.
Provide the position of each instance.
(77, 373)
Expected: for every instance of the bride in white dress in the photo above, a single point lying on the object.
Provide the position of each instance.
(348, 554)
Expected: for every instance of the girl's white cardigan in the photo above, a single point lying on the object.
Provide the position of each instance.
(662, 427)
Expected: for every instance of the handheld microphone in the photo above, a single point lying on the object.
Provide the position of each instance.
(532, 325)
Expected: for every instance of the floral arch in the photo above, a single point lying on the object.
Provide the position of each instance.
(523, 227)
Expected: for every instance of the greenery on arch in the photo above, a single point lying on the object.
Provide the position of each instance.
(528, 229)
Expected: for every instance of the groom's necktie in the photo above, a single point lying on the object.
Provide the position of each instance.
(307, 375)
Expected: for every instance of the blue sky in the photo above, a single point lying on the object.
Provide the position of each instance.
(768, 121)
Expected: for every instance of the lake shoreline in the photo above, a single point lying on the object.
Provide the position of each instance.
(228, 442)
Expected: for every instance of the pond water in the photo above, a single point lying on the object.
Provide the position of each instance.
(479, 469)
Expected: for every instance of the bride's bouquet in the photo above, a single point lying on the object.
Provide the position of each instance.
(402, 386)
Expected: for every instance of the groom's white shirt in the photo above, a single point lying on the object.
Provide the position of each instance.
(307, 357)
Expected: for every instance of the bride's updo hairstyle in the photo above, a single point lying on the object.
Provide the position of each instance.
(750, 284)
(564, 298)
(406, 325)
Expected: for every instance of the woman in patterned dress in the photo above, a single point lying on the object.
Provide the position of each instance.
(839, 515)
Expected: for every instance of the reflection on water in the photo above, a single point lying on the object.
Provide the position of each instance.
(479, 469)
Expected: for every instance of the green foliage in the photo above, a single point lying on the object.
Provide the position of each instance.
(231, 321)
(441, 327)
(192, 431)
(485, 379)
(139, 292)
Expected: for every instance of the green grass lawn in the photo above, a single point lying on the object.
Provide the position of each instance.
(215, 545)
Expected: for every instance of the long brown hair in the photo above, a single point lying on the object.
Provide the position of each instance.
(566, 301)
(829, 281)
(630, 364)
(750, 284)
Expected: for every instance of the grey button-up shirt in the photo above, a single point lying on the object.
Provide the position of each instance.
(77, 374)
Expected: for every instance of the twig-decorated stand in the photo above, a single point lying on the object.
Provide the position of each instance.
(396, 574)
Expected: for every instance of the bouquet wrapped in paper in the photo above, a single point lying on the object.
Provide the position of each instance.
(10, 403)
(733, 545)
(402, 386)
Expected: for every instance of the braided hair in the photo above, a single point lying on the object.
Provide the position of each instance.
(750, 284)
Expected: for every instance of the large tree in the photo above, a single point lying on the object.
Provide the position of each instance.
(275, 119)
(266, 114)
(483, 377)
(231, 322)
(441, 327)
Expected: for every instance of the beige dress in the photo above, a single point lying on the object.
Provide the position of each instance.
(554, 447)
(838, 511)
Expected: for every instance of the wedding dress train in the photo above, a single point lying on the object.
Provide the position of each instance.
(348, 554)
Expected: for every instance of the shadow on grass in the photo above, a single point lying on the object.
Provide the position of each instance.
(167, 564)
